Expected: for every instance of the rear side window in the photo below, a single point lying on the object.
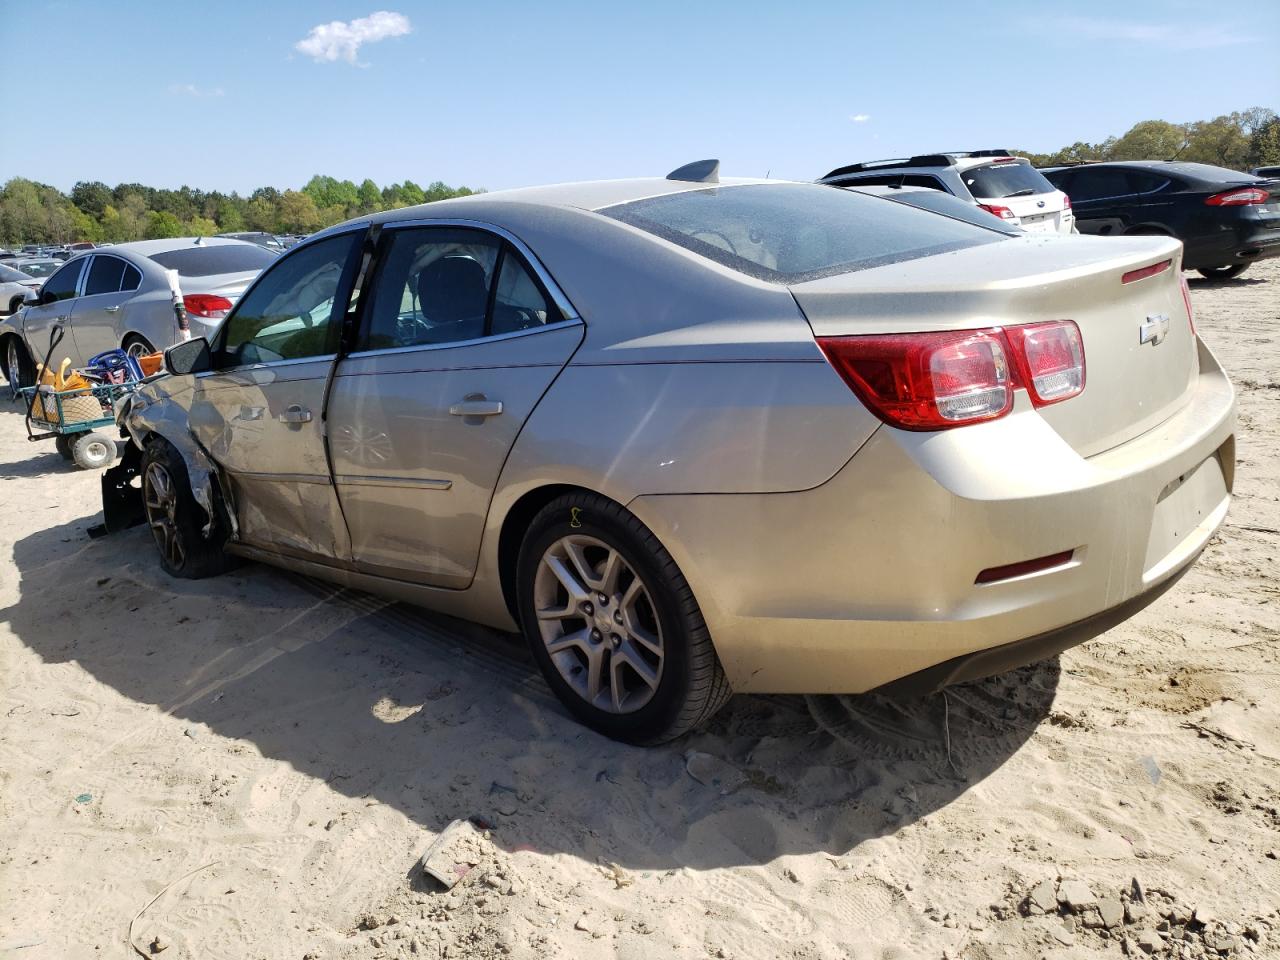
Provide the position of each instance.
(132, 277)
(211, 260)
(105, 274)
(998, 181)
(790, 233)
(1141, 182)
(1098, 183)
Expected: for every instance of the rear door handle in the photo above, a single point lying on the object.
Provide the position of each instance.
(476, 405)
(295, 413)
(111, 309)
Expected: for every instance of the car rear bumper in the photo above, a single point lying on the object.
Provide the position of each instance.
(871, 577)
(1242, 245)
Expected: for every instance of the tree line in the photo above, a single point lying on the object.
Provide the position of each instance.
(1240, 141)
(33, 212)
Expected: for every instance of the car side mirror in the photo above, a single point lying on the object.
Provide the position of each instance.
(190, 356)
(36, 298)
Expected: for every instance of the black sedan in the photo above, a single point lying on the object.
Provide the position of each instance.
(1225, 219)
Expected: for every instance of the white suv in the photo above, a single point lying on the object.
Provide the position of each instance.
(1005, 186)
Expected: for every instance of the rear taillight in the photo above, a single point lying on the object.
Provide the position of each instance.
(1186, 298)
(1066, 202)
(1050, 357)
(1242, 197)
(1004, 213)
(934, 381)
(207, 305)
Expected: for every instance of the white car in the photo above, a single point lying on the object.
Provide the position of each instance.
(1005, 186)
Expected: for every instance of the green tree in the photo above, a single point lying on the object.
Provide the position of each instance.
(1264, 145)
(298, 213)
(370, 197)
(1149, 140)
(260, 214)
(92, 197)
(200, 227)
(162, 224)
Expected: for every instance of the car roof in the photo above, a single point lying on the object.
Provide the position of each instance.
(148, 248)
(1202, 172)
(585, 195)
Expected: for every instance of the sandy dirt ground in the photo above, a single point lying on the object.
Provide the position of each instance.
(250, 767)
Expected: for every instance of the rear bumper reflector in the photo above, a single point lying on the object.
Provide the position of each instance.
(1143, 272)
(1011, 570)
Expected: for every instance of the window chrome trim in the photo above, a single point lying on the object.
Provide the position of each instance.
(313, 478)
(423, 347)
(269, 365)
(561, 300)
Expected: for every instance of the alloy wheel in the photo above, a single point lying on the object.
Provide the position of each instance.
(13, 368)
(597, 618)
(160, 497)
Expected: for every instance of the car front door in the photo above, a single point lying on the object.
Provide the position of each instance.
(38, 322)
(96, 315)
(260, 411)
(460, 335)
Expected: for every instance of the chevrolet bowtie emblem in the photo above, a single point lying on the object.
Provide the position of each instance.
(1154, 330)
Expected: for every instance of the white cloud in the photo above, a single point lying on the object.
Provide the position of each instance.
(1166, 35)
(191, 90)
(340, 40)
(860, 117)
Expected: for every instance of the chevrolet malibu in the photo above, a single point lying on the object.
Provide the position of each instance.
(694, 437)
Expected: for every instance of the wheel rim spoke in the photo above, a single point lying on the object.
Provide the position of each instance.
(598, 624)
(161, 503)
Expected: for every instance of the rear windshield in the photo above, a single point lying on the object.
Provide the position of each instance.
(1000, 180)
(211, 260)
(10, 275)
(789, 233)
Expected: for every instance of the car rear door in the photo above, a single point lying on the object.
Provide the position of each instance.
(260, 412)
(96, 314)
(461, 334)
(38, 321)
(1102, 199)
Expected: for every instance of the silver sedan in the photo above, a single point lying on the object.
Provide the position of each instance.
(121, 297)
(694, 437)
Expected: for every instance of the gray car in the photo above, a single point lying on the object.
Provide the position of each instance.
(695, 437)
(120, 297)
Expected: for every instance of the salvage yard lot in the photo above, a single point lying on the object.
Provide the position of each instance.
(250, 767)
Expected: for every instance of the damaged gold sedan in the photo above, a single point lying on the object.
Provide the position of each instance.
(695, 437)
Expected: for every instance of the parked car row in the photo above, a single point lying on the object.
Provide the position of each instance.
(695, 436)
(120, 297)
(1225, 219)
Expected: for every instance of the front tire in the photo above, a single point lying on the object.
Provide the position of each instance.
(614, 625)
(137, 346)
(18, 368)
(1223, 273)
(177, 520)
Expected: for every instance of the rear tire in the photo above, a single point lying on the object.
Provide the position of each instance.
(137, 346)
(1223, 273)
(640, 624)
(62, 443)
(177, 519)
(93, 450)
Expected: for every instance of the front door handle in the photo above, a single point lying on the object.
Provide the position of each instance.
(111, 309)
(476, 405)
(295, 413)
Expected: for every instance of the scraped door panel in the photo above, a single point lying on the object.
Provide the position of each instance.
(263, 425)
(417, 446)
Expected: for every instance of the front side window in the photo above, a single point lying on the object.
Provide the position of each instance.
(62, 285)
(291, 312)
(105, 274)
(437, 285)
(790, 233)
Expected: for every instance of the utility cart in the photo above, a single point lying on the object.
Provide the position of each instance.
(74, 420)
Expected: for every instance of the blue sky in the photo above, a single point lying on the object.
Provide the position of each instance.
(497, 94)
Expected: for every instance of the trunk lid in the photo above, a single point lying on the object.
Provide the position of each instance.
(229, 285)
(1015, 184)
(1131, 385)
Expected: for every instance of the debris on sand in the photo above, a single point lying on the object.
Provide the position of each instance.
(454, 853)
(713, 772)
